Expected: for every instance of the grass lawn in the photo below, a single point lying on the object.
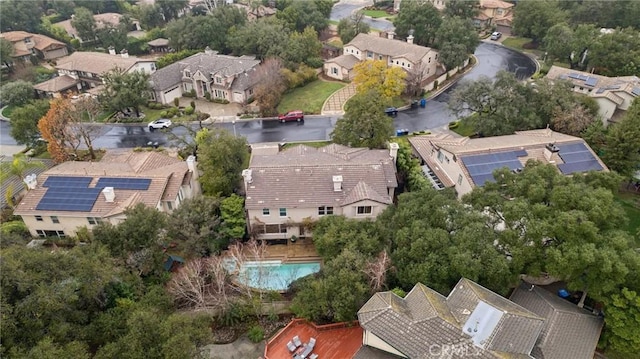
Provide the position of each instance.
(631, 205)
(516, 42)
(464, 128)
(8, 110)
(310, 97)
(376, 13)
(315, 144)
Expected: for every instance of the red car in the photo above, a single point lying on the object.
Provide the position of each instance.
(292, 116)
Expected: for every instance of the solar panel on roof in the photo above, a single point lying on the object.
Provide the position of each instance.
(572, 147)
(600, 90)
(67, 181)
(68, 199)
(583, 77)
(480, 180)
(583, 166)
(576, 157)
(124, 183)
(636, 91)
(591, 81)
(574, 75)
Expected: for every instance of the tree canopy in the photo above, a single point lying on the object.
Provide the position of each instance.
(350, 27)
(124, 90)
(456, 38)
(374, 75)
(422, 18)
(24, 122)
(532, 18)
(16, 93)
(221, 158)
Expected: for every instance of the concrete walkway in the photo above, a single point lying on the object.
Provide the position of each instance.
(219, 112)
(242, 348)
(334, 105)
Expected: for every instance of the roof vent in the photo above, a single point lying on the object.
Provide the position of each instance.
(246, 174)
(552, 147)
(31, 181)
(191, 163)
(109, 194)
(337, 183)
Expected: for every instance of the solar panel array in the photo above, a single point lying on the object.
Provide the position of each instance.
(124, 183)
(588, 80)
(636, 91)
(481, 167)
(591, 81)
(67, 181)
(68, 193)
(577, 158)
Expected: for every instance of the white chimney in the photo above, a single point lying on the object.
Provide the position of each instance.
(109, 194)
(246, 174)
(337, 183)
(390, 35)
(31, 181)
(549, 150)
(209, 51)
(112, 50)
(393, 151)
(124, 53)
(410, 39)
(191, 163)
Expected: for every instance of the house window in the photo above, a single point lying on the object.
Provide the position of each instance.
(446, 159)
(266, 212)
(153, 66)
(334, 70)
(460, 179)
(440, 156)
(363, 210)
(499, 11)
(169, 205)
(325, 210)
(43, 234)
(429, 59)
(283, 212)
(55, 219)
(218, 80)
(187, 73)
(94, 220)
(283, 229)
(379, 57)
(370, 54)
(409, 65)
(39, 218)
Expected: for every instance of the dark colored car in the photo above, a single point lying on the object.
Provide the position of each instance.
(292, 116)
(391, 111)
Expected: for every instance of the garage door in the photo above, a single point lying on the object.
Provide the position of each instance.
(506, 30)
(169, 95)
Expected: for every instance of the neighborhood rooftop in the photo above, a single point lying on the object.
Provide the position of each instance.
(389, 47)
(96, 62)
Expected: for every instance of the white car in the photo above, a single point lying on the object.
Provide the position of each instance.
(161, 123)
(496, 35)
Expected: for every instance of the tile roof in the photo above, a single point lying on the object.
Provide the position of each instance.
(166, 174)
(17, 184)
(205, 63)
(347, 61)
(495, 4)
(41, 42)
(101, 20)
(389, 47)
(56, 84)
(302, 176)
(158, 42)
(96, 62)
(425, 318)
(367, 352)
(569, 331)
(601, 86)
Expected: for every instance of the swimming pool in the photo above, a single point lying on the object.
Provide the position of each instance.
(274, 275)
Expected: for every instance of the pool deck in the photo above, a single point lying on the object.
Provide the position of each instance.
(301, 251)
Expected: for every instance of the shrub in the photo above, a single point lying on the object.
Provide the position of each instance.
(256, 334)
(193, 104)
(173, 112)
(314, 62)
(207, 95)
(176, 102)
(189, 110)
(435, 84)
(453, 125)
(164, 113)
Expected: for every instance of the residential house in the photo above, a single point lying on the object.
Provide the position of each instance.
(159, 45)
(84, 70)
(495, 13)
(286, 188)
(438, 4)
(464, 163)
(614, 95)
(82, 194)
(223, 77)
(254, 13)
(102, 21)
(473, 321)
(26, 44)
(404, 54)
(13, 187)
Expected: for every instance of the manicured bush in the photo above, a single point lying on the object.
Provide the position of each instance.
(207, 95)
(176, 102)
(435, 84)
(256, 334)
(164, 114)
(189, 110)
(193, 104)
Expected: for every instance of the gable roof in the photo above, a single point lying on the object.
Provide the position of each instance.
(569, 331)
(425, 318)
(495, 4)
(302, 176)
(167, 175)
(347, 61)
(600, 86)
(206, 63)
(389, 47)
(41, 42)
(96, 62)
(56, 84)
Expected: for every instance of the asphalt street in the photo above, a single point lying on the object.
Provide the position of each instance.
(344, 9)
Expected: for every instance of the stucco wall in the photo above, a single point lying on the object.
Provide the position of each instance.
(373, 340)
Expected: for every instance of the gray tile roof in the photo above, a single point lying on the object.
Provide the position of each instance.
(366, 352)
(425, 318)
(57, 84)
(569, 331)
(389, 47)
(302, 177)
(96, 62)
(207, 64)
(17, 184)
(347, 61)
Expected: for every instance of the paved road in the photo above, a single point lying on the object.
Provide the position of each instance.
(345, 8)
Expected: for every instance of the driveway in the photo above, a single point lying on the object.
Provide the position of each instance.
(334, 105)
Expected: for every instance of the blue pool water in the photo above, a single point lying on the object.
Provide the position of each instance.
(274, 275)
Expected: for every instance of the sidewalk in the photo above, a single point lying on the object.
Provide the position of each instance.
(334, 105)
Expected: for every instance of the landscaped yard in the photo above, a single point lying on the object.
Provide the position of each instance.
(631, 204)
(464, 128)
(376, 13)
(518, 43)
(8, 110)
(310, 97)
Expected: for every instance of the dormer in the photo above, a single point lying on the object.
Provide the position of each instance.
(186, 73)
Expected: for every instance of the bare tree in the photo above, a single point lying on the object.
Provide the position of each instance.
(415, 79)
(268, 92)
(82, 115)
(376, 270)
(201, 283)
(187, 141)
(572, 121)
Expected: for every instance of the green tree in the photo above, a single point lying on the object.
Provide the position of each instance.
(85, 24)
(421, 17)
(16, 93)
(171, 8)
(617, 53)
(221, 158)
(364, 123)
(302, 14)
(234, 223)
(196, 224)
(303, 48)
(333, 234)
(150, 16)
(47, 349)
(20, 15)
(462, 8)
(19, 166)
(622, 318)
(6, 53)
(623, 141)
(198, 32)
(123, 90)
(24, 122)
(350, 27)
(566, 44)
(533, 18)
(110, 35)
(265, 37)
(456, 39)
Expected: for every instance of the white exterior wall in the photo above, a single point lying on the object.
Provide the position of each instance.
(342, 73)
(373, 340)
(68, 223)
(352, 50)
(454, 170)
(350, 211)
(628, 100)
(144, 66)
(607, 108)
(167, 97)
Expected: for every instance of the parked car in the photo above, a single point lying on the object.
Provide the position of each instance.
(292, 116)
(496, 35)
(391, 111)
(161, 123)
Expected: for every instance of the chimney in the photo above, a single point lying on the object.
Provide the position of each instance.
(410, 39)
(393, 151)
(208, 51)
(191, 163)
(112, 50)
(337, 183)
(109, 194)
(31, 181)
(390, 35)
(124, 53)
(246, 174)
(549, 150)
